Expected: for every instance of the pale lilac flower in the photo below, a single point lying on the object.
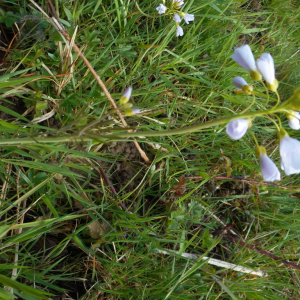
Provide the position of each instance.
(268, 169)
(294, 120)
(179, 31)
(188, 17)
(290, 153)
(239, 82)
(244, 57)
(265, 65)
(161, 9)
(177, 18)
(136, 111)
(236, 129)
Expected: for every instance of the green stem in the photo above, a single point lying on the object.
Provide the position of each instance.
(278, 100)
(144, 14)
(278, 128)
(267, 91)
(254, 138)
(251, 104)
(105, 137)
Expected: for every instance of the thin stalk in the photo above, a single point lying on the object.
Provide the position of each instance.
(254, 138)
(97, 137)
(267, 91)
(278, 99)
(251, 104)
(278, 127)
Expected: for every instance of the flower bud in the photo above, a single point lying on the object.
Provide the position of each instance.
(236, 129)
(176, 4)
(294, 120)
(241, 84)
(126, 96)
(268, 169)
(244, 57)
(265, 65)
(289, 149)
(131, 112)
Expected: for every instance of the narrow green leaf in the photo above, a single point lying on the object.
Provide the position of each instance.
(24, 288)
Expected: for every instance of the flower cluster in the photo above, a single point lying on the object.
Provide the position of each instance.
(289, 148)
(125, 105)
(175, 5)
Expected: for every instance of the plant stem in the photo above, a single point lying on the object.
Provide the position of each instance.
(98, 137)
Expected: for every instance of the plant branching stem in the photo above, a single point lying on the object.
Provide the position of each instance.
(98, 137)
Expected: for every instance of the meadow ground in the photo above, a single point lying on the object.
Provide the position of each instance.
(97, 203)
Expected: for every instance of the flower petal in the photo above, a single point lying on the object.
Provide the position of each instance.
(177, 18)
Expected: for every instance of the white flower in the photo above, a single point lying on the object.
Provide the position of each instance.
(265, 65)
(239, 82)
(294, 120)
(178, 3)
(268, 169)
(161, 9)
(179, 31)
(177, 18)
(188, 18)
(236, 129)
(244, 57)
(290, 153)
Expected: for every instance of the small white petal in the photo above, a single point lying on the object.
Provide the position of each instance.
(188, 18)
(265, 66)
(268, 169)
(179, 31)
(290, 153)
(177, 18)
(294, 123)
(244, 57)
(161, 9)
(239, 82)
(236, 129)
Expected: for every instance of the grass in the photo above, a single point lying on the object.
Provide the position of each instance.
(64, 231)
